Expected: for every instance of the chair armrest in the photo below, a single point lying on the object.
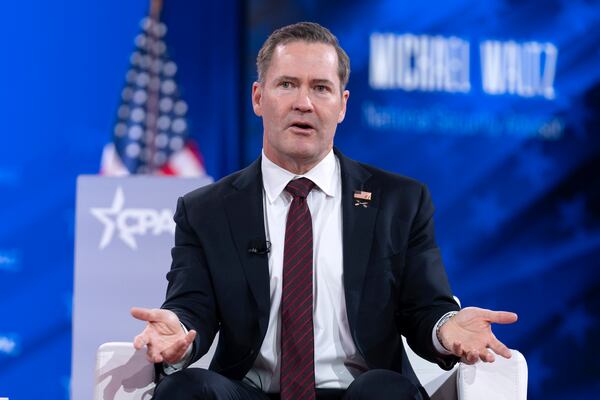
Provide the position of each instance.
(502, 379)
(122, 373)
(438, 383)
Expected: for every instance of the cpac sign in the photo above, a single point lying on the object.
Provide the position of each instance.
(127, 223)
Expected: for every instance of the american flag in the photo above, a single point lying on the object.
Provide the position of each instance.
(151, 132)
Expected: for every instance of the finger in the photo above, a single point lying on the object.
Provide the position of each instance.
(500, 348)
(176, 352)
(457, 349)
(153, 355)
(140, 341)
(466, 359)
(502, 317)
(140, 313)
(472, 356)
(191, 335)
(155, 315)
(487, 356)
(154, 359)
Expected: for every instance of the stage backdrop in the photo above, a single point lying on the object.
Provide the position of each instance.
(64, 65)
(495, 105)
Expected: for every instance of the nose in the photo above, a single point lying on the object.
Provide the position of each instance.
(302, 102)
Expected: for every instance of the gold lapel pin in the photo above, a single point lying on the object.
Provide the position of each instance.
(362, 198)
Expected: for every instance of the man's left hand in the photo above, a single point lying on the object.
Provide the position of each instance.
(469, 334)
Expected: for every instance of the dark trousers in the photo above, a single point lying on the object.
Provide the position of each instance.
(196, 383)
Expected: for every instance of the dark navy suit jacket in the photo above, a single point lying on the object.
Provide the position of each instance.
(394, 280)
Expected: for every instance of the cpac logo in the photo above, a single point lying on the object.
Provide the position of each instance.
(131, 222)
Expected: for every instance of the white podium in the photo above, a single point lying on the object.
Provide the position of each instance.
(124, 234)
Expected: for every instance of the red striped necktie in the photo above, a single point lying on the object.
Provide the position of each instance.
(297, 338)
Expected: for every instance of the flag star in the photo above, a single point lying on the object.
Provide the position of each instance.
(151, 76)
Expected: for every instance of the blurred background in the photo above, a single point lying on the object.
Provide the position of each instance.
(494, 104)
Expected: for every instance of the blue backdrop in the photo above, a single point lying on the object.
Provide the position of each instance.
(63, 67)
(495, 105)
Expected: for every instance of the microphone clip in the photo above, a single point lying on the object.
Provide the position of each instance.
(259, 247)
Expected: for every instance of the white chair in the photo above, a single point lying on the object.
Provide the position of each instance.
(122, 373)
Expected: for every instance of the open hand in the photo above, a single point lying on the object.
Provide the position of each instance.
(164, 337)
(469, 334)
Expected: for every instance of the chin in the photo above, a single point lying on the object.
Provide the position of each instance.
(303, 152)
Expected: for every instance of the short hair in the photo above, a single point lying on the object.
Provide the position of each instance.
(310, 32)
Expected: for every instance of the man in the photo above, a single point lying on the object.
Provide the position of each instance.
(308, 264)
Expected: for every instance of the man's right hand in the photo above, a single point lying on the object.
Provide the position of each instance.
(164, 337)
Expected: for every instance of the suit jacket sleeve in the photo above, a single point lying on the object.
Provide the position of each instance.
(190, 290)
(425, 295)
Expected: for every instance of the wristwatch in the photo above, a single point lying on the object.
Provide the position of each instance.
(445, 318)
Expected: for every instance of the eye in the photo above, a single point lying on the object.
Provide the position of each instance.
(322, 88)
(285, 84)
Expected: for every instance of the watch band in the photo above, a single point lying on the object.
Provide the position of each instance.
(445, 318)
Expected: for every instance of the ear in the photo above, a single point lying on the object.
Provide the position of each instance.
(342, 113)
(256, 98)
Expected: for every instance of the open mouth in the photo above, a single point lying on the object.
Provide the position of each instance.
(301, 125)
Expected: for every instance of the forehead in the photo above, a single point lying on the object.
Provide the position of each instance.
(303, 59)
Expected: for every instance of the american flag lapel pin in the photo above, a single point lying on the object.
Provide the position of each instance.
(361, 198)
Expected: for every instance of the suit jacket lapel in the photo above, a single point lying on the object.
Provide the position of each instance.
(358, 224)
(244, 209)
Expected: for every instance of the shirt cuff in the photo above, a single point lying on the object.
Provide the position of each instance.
(171, 368)
(434, 337)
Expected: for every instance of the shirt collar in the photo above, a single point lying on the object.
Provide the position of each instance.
(325, 175)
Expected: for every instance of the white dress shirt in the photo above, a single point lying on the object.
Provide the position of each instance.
(337, 361)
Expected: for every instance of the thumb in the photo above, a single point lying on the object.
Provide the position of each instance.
(502, 317)
(148, 314)
(189, 338)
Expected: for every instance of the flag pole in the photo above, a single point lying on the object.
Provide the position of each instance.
(155, 9)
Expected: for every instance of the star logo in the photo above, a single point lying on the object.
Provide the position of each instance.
(104, 215)
(131, 222)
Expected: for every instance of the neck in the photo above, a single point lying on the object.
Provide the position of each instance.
(296, 166)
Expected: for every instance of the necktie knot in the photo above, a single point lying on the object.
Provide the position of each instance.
(300, 187)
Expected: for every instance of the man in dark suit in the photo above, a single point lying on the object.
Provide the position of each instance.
(309, 265)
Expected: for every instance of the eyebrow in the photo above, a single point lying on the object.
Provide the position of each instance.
(286, 78)
(296, 80)
(322, 82)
